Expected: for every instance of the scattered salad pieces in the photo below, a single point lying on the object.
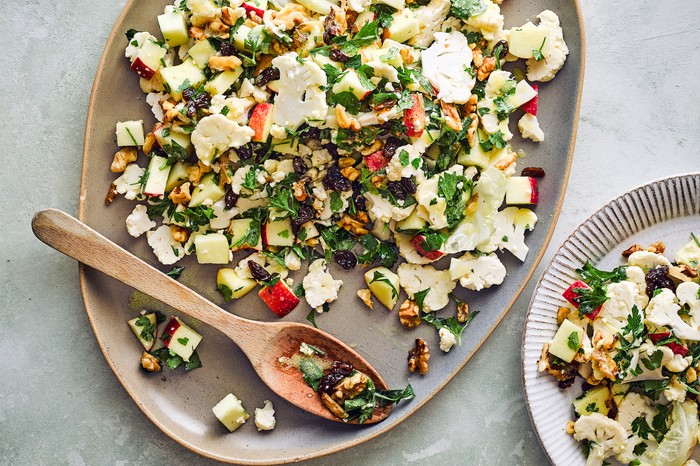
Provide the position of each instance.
(633, 335)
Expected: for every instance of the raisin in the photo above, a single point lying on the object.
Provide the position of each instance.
(409, 185)
(188, 93)
(533, 172)
(566, 383)
(299, 165)
(306, 214)
(268, 74)
(329, 381)
(227, 49)
(258, 272)
(504, 48)
(340, 367)
(390, 146)
(334, 180)
(657, 278)
(346, 259)
(396, 188)
(337, 55)
(231, 199)
(244, 152)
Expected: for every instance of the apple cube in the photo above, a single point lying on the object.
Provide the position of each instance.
(570, 295)
(239, 231)
(179, 77)
(350, 82)
(144, 327)
(261, 121)
(365, 17)
(230, 412)
(148, 60)
(177, 176)
(376, 161)
(174, 28)
(524, 93)
(279, 297)
(322, 7)
(200, 52)
(405, 24)
(274, 86)
(130, 133)
(223, 81)
(278, 233)
(306, 231)
(384, 285)
(166, 137)
(594, 400)
(411, 223)
(526, 39)
(206, 191)
(229, 282)
(566, 341)
(286, 146)
(158, 171)
(180, 339)
(531, 105)
(414, 117)
(397, 4)
(521, 190)
(241, 34)
(212, 248)
(252, 9)
(432, 255)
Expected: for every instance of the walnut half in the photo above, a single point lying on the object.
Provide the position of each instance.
(418, 357)
(150, 362)
(408, 314)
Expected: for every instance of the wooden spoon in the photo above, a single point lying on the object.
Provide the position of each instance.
(262, 342)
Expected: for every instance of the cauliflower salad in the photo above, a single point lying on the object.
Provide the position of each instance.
(371, 132)
(633, 335)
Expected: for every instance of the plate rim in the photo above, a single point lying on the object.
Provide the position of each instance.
(632, 191)
(82, 213)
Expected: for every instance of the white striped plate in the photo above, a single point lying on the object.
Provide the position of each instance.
(665, 210)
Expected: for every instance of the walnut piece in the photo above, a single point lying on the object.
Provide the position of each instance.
(333, 406)
(354, 226)
(418, 357)
(366, 296)
(122, 158)
(657, 248)
(562, 314)
(148, 143)
(181, 194)
(452, 118)
(462, 312)
(291, 15)
(350, 173)
(471, 131)
(345, 121)
(179, 233)
(486, 68)
(150, 362)
(224, 63)
(408, 314)
(349, 387)
(299, 189)
(603, 365)
(111, 194)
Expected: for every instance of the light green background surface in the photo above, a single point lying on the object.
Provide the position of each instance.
(61, 404)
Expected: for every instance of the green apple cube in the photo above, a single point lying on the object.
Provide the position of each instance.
(412, 223)
(212, 248)
(144, 327)
(229, 282)
(384, 285)
(239, 231)
(618, 392)
(322, 60)
(523, 94)
(178, 175)
(174, 28)
(240, 36)
(688, 254)
(179, 77)
(207, 191)
(148, 59)
(221, 83)
(285, 146)
(397, 4)
(181, 339)
(158, 172)
(594, 400)
(567, 341)
(278, 233)
(322, 7)
(523, 41)
(230, 412)
(404, 26)
(350, 82)
(130, 133)
(306, 231)
(201, 51)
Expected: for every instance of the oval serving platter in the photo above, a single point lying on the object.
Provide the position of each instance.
(666, 210)
(180, 403)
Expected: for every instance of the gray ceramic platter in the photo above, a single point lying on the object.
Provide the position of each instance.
(666, 210)
(180, 403)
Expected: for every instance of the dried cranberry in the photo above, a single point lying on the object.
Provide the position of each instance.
(409, 185)
(345, 259)
(299, 165)
(504, 48)
(268, 74)
(258, 272)
(230, 199)
(396, 188)
(390, 146)
(306, 214)
(329, 381)
(227, 49)
(657, 278)
(337, 55)
(312, 133)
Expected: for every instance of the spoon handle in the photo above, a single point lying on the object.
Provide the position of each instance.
(77, 240)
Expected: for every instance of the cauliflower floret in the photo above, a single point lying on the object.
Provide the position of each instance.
(319, 286)
(647, 260)
(138, 223)
(606, 435)
(662, 311)
(431, 17)
(135, 44)
(167, 250)
(265, 417)
(222, 215)
(300, 97)
(248, 89)
(128, 183)
(675, 391)
(490, 121)
(554, 50)
(530, 128)
(688, 294)
(292, 261)
(510, 225)
(688, 254)
(383, 210)
(269, 264)
(405, 163)
(408, 250)
(477, 272)
(203, 12)
(238, 107)
(154, 99)
(445, 65)
(384, 70)
(447, 339)
(489, 23)
(633, 406)
(416, 278)
(215, 134)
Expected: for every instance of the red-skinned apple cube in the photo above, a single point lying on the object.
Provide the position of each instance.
(180, 339)
(414, 117)
(432, 255)
(148, 59)
(278, 233)
(279, 298)
(158, 172)
(570, 295)
(261, 121)
(376, 161)
(531, 106)
(677, 348)
(253, 9)
(521, 190)
(657, 337)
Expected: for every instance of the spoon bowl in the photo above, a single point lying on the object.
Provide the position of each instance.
(264, 343)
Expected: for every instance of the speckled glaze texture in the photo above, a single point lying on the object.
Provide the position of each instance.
(62, 404)
(181, 404)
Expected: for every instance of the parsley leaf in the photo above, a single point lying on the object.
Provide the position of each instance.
(283, 200)
(537, 53)
(380, 277)
(175, 272)
(573, 341)
(463, 9)
(590, 274)
(451, 324)
(348, 100)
